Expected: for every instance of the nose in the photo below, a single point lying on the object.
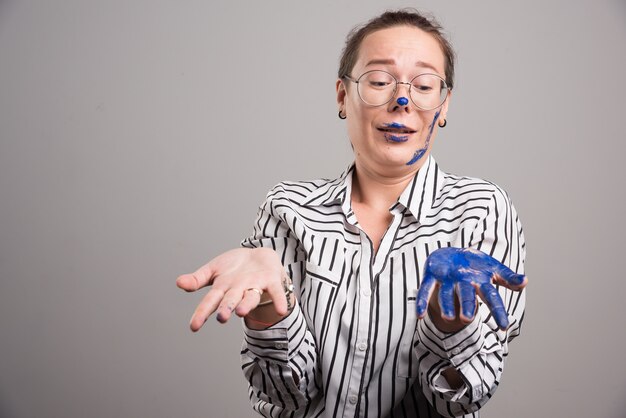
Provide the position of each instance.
(400, 100)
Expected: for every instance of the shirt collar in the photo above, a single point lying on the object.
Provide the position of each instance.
(332, 191)
(417, 197)
(423, 190)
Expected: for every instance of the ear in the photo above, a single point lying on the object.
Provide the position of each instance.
(340, 87)
(444, 107)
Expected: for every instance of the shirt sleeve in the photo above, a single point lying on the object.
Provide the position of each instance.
(478, 350)
(280, 362)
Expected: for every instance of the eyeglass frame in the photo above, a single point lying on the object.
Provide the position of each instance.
(395, 89)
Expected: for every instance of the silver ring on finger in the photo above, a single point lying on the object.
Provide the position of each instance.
(254, 289)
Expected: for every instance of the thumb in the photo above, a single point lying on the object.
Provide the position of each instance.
(509, 279)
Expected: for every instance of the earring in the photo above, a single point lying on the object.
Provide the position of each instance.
(341, 117)
(445, 122)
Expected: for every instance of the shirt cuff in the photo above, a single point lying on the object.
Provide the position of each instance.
(456, 347)
(279, 342)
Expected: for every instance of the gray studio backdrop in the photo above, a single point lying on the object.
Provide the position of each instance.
(137, 139)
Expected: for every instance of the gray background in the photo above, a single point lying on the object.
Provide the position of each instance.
(138, 138)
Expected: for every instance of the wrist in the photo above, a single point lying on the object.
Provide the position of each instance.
(263, 317)
(443, 325)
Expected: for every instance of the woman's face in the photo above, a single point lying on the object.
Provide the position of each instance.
(404, 52)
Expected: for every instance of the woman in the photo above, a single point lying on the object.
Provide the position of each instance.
(327, 282)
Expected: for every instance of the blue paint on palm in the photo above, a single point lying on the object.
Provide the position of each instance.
(462, 270)
(402, 101)
(420, 152)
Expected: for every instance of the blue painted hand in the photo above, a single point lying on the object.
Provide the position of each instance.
(464, 271)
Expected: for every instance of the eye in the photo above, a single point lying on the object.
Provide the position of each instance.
(423, 88)
(378, 83)
(378, 80)
(426, 84)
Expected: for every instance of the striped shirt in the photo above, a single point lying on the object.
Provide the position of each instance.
(353, 346)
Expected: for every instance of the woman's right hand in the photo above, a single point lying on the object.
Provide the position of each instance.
(231, 275)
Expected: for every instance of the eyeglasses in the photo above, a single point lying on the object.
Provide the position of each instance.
(377, 87)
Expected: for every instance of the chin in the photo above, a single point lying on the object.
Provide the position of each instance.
(395, 158)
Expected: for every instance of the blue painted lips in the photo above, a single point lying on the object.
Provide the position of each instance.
(397, 136)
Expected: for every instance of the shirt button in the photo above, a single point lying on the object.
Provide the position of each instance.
(456, 351)
(353, 399)
(362, 346)
(366, 292)
(279, 346)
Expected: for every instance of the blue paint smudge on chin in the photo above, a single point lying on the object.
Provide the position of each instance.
(420, 152)
(396, 138)
(402, 101)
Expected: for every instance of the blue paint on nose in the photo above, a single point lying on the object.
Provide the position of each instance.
(402, 101)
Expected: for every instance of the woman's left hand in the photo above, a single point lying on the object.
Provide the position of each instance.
(464, 271)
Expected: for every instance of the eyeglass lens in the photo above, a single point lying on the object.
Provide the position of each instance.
(427, 91)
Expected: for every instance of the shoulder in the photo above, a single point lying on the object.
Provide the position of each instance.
(465, 188)
(471, 197)
(296, 192)
(310, 193)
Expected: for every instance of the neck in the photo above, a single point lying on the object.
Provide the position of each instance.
(378, 191)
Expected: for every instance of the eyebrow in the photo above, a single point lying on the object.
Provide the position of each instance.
(392, 62)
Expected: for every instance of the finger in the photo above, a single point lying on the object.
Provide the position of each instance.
(198, 279)
(423, 295)
(231, 299)
(277, 294)
(446, 300)
(250, 300)
(467, 298)
(206, 307)
(508, 278)
(492, 298)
